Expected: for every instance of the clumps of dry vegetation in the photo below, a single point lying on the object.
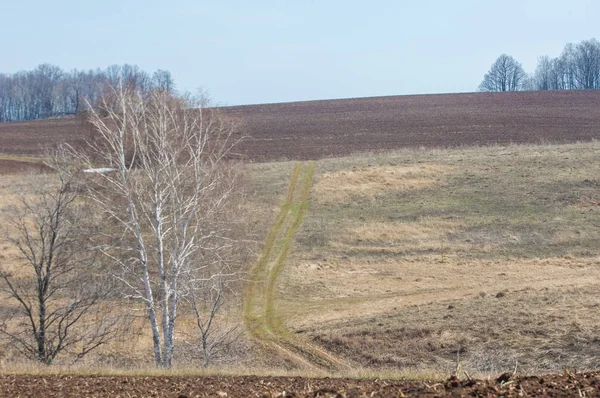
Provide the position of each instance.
(397, 237)
(495, 259)
(538, 330)
(368, 182)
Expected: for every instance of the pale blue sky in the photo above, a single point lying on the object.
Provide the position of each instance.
(261, 51)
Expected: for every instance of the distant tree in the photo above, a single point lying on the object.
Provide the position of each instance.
(163, 80)
(528, 83)
(134, 78)
(48, 91)
(557, 75)
(565, 68)
(506, 74)
(5, 82)
(542, 79)
(587, 64)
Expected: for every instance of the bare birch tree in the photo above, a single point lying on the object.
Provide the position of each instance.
(168, 182)
(58, 296)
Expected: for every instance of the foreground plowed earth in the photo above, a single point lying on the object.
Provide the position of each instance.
(567, 385)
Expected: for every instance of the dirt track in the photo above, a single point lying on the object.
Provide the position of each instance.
(260, 316)
(316, 129)
(257, 386)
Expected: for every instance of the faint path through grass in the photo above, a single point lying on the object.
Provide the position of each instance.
(260, 315)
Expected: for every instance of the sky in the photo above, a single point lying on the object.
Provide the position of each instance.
(259, 51)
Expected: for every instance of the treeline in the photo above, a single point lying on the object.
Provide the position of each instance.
(48, 91)
(577, 68)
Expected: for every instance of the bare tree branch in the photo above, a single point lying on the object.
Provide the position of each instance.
(171, 184)
(57, 292)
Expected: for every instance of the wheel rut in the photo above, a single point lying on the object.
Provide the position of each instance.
(260, 311)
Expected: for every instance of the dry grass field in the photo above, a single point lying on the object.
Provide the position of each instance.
(467, 235)
(405, 260)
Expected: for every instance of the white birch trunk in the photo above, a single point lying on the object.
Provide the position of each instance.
(167, 178)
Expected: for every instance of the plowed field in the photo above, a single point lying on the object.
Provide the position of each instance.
(316, 129)
(583, 385)
(31, 137)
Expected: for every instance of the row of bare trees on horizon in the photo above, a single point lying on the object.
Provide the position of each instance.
(48, 91)
(577, 68)
(147, 223)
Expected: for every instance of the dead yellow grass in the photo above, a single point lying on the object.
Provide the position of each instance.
(396, 237)
(353, 287)
(22, 158)
(11, 189)
(493, 244)
(396, 231)
(368, 182)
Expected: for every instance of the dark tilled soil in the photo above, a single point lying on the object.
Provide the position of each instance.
(9, 166)
(317, 129)
(582, 384)
(33, 136)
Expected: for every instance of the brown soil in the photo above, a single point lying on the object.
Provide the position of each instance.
(31, 137)
(317, 129)
(10, 166)
(583, 384)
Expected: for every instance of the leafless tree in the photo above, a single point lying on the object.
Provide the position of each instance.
(163, 80)
(543, 74)
(171, 183)
(566, 66)
(213, 293)
(48, 91)
(208, 297)
(506, 74)
(58, 298)
(557, 74)
(587, 64)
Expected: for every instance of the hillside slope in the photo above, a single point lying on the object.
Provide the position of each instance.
(317, 129)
